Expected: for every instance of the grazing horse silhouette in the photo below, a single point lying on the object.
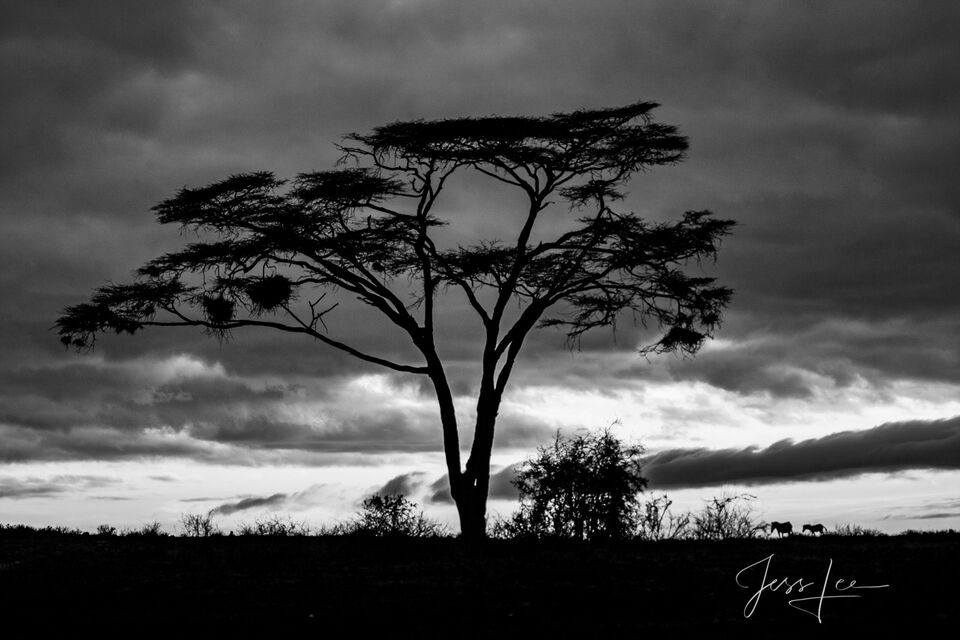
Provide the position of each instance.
(814, 529)
(781, 528)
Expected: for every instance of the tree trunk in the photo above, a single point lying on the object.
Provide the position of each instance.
(471, 497)
(468, 488)
(472, 508)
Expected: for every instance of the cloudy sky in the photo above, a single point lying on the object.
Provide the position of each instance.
(827, 130)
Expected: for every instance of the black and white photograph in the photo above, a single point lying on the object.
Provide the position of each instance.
(435, 318)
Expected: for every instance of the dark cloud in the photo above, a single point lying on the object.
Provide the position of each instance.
(937, 516)
(892, 447)
(179, 407)
(14, 488)
(249, 440)
(887, 68)
(80, 70)
(829, 138)
(441, 490)
(26, 445)
(405, 484)
(33, 487)
(501, 486)
(79, 400)
(927, 510)
(832, 353)
(229, 508)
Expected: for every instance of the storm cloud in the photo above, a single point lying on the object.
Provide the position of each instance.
(229, 508)
(404, 484)
(185, 407)
(888, 448)
(33, 487)
(829, 139)
(501, 486)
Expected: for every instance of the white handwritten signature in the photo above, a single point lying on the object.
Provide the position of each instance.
(815, 603)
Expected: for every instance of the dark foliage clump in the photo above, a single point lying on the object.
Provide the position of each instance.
(392, 516)
(269, 293)
(586, 488)
(218, 309)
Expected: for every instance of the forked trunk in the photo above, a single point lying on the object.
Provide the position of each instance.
(469, 487)
(474, 483)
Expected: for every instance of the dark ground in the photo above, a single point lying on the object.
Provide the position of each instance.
(310, 587)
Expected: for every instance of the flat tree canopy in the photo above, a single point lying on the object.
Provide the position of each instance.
(272, 249)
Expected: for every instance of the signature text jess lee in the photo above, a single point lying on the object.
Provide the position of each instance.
(813, 605)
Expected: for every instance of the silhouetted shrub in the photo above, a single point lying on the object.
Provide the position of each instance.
(584, 487)
(17, 530)
(275, 526)
(658, 522)
(106, 530)
(518, 526)
(61, 530)
(726, 517)
(854, 530)
(26, 531)
(148, 530)
(929, 532)
(196, 525)
(392, 516)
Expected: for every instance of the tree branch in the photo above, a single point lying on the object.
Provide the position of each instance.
(303, 329)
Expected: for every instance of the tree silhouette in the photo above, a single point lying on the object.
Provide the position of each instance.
(585, 487)
(273, 249)
(392, 516)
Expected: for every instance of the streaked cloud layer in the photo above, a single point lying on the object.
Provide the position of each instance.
(893, 447)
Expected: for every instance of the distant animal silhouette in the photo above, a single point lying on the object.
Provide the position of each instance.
(814, 529)
(781, 528)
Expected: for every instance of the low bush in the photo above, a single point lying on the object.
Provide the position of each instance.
(275, 526)
(726, 517)
(583, 487)
(147, 530)
(197, 525)
(854, 530)
(392, 516)
(658, 522)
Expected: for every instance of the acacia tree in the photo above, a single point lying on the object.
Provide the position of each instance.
(272, 249)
